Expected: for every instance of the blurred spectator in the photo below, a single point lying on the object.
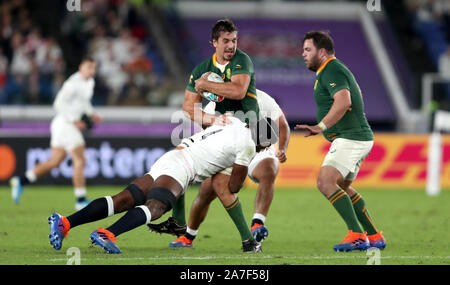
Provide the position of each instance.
(444, 71)
(444, 63)
(21, 61)
(3, 69)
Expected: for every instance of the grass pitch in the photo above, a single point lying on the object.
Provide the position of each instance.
(303, 227)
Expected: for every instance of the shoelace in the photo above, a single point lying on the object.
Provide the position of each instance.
(106, 236)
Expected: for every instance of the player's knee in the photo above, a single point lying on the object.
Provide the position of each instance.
(266, 172)
(79, 161)
(137, 194)
(267, 176)
(324, 183)
(159, 201)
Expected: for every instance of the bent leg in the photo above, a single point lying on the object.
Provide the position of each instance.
(200, 206)
(107, 206)
(265, 173)
(232, 204)
(328, 183)
(160, 199)
(56, 157)
(359, 205)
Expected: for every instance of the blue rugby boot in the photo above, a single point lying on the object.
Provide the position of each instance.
(353, 241)
(259, 232)
(59, 228)
(106, 240)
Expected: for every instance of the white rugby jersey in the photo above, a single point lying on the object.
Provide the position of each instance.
(268, 107)
(74, 98)
(219, 147)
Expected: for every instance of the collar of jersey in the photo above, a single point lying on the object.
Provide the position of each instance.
(214, 59)
(324, 64)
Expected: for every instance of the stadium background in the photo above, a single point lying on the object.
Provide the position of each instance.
(146, 49)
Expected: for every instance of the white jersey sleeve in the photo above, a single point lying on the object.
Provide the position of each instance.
(268, 107)
(245, 148)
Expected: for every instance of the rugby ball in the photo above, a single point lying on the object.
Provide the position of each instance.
(214, 77)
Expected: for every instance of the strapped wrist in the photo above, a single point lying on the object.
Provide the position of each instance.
(322, 126)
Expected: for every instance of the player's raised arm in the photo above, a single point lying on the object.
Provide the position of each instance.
(284, 135)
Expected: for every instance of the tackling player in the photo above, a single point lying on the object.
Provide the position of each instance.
(342, 121)
(150, 196)
(74, 113)
(263, 170)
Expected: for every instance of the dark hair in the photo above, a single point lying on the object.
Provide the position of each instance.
(87, 58)
(321, 39)
(223, 25)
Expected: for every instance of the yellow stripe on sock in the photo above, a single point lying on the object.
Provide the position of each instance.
(335, 195)
(337, 198)
(355, 196)
(232, 205)
(370, 220)
(356, 200)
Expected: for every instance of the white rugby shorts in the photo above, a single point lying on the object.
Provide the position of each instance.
(65, 135)
(176, 164)
(347, 156)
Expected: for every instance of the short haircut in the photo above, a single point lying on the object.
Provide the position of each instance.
(88, 59)
(223, 25)
(321, 39)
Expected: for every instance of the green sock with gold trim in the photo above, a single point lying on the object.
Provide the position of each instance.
(363, 214)
(236, 214)
(343, 205)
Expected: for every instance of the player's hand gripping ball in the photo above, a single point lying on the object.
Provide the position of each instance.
(214, 77)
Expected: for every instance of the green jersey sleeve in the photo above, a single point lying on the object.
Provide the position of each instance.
(335, 81)
(242, 64)
(196, 74)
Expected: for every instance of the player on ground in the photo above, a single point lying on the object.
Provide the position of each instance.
(150, 196)
(262, 170)
(341, 117)
(74, 113)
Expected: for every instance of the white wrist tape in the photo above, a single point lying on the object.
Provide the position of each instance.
(322, 126)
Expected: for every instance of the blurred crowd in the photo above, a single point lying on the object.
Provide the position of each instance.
(432, 22)
(31, 65)
(129, 69)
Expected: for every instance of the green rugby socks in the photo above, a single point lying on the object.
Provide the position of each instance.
(343, 205)
(236, 214)
(178, 212)
(363, 214)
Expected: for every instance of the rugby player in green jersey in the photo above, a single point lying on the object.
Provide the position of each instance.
(342, 121)
(239, 98)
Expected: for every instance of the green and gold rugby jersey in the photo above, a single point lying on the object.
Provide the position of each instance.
(332, 77)
(240, 63)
